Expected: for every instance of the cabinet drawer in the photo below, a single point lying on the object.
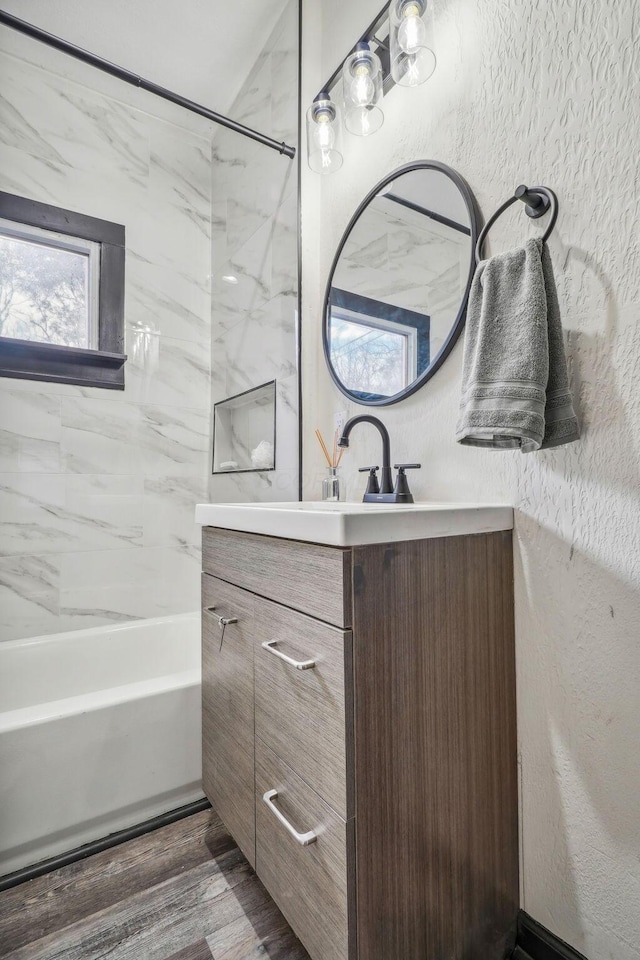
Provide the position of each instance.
(305, 576)
(228, 710)
(309, 883)
(300, 705)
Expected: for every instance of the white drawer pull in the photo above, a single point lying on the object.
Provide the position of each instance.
(304, 839)
(298, 664)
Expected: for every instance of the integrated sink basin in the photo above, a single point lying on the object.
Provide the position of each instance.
(348, 524)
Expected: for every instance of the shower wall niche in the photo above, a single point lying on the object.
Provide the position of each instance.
(244, 431)
(254, 278)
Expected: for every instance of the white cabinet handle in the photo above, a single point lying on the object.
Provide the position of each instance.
(270, 646)
(304, 839)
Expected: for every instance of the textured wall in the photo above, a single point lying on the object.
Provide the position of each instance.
(98, 487)
(544, 92)
(255, 244)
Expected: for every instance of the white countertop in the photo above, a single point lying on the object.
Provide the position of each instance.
(348, 524)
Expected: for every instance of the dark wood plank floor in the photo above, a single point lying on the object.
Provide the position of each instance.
(183, 892)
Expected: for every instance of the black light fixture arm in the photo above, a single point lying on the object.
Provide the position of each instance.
(132, 78)
(537, 200)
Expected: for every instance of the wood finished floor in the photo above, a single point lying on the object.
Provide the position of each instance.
(183, 892)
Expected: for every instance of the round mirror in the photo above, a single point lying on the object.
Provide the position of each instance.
(398, 288)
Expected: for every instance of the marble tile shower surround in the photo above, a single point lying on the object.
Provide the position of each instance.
(97, 488)
(255, 261)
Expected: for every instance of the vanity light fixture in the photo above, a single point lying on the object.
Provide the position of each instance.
(412, 61)
(362, 85)
(324, 135)
(392, 50)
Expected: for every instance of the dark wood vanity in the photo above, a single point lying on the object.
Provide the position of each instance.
(360, 737)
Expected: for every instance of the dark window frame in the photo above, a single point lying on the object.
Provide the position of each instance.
(32, 360)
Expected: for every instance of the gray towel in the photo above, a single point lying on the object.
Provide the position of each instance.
(515, 386)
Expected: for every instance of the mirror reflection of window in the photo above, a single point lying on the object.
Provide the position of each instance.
(373, 356)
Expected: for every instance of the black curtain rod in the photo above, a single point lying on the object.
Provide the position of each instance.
(128, 77)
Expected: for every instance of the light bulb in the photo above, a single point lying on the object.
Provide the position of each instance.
(365, 125)
(412, 60)
(323, 134)
(362, 86)
(362, 90)
(324, 154)
(412, 31)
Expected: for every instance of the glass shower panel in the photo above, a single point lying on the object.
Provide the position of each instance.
(255, 260)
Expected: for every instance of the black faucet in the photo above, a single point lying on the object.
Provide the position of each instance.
(387, 492)
(386, 485)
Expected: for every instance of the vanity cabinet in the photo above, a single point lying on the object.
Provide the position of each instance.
(359, 737)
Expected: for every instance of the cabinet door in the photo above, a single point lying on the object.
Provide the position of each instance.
(228, 709)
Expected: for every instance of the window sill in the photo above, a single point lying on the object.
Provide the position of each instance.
(29, 360)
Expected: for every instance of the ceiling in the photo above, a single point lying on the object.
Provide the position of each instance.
(202, 49)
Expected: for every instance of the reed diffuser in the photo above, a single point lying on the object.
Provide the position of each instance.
(333, 488)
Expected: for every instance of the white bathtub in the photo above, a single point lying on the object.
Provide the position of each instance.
(100, 729)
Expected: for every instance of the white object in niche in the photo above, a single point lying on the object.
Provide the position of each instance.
(263, 455)
(244, 431)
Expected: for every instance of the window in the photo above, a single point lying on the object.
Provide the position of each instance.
(49, 286)
(61, 295)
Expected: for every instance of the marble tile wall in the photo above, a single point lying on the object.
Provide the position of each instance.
(97, 487)
(254, 283)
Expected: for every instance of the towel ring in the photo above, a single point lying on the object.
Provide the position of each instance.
(538, 200)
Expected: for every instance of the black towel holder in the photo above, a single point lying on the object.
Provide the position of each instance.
(538, 200)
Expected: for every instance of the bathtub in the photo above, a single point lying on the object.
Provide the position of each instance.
(100, 729)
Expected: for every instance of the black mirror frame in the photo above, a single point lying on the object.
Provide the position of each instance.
(475, 220)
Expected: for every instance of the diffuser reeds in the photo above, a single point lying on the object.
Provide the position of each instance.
(334, 459)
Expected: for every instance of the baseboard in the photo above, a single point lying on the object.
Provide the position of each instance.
(97, 846)
(535, 942)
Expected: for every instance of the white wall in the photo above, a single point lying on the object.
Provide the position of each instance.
(98, 487)
(544, 93)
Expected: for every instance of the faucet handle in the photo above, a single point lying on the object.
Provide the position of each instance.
(402, 492)
(372, 485)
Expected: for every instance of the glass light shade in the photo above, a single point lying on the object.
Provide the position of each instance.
(324, 135)
(362, 86)
(412, 60)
